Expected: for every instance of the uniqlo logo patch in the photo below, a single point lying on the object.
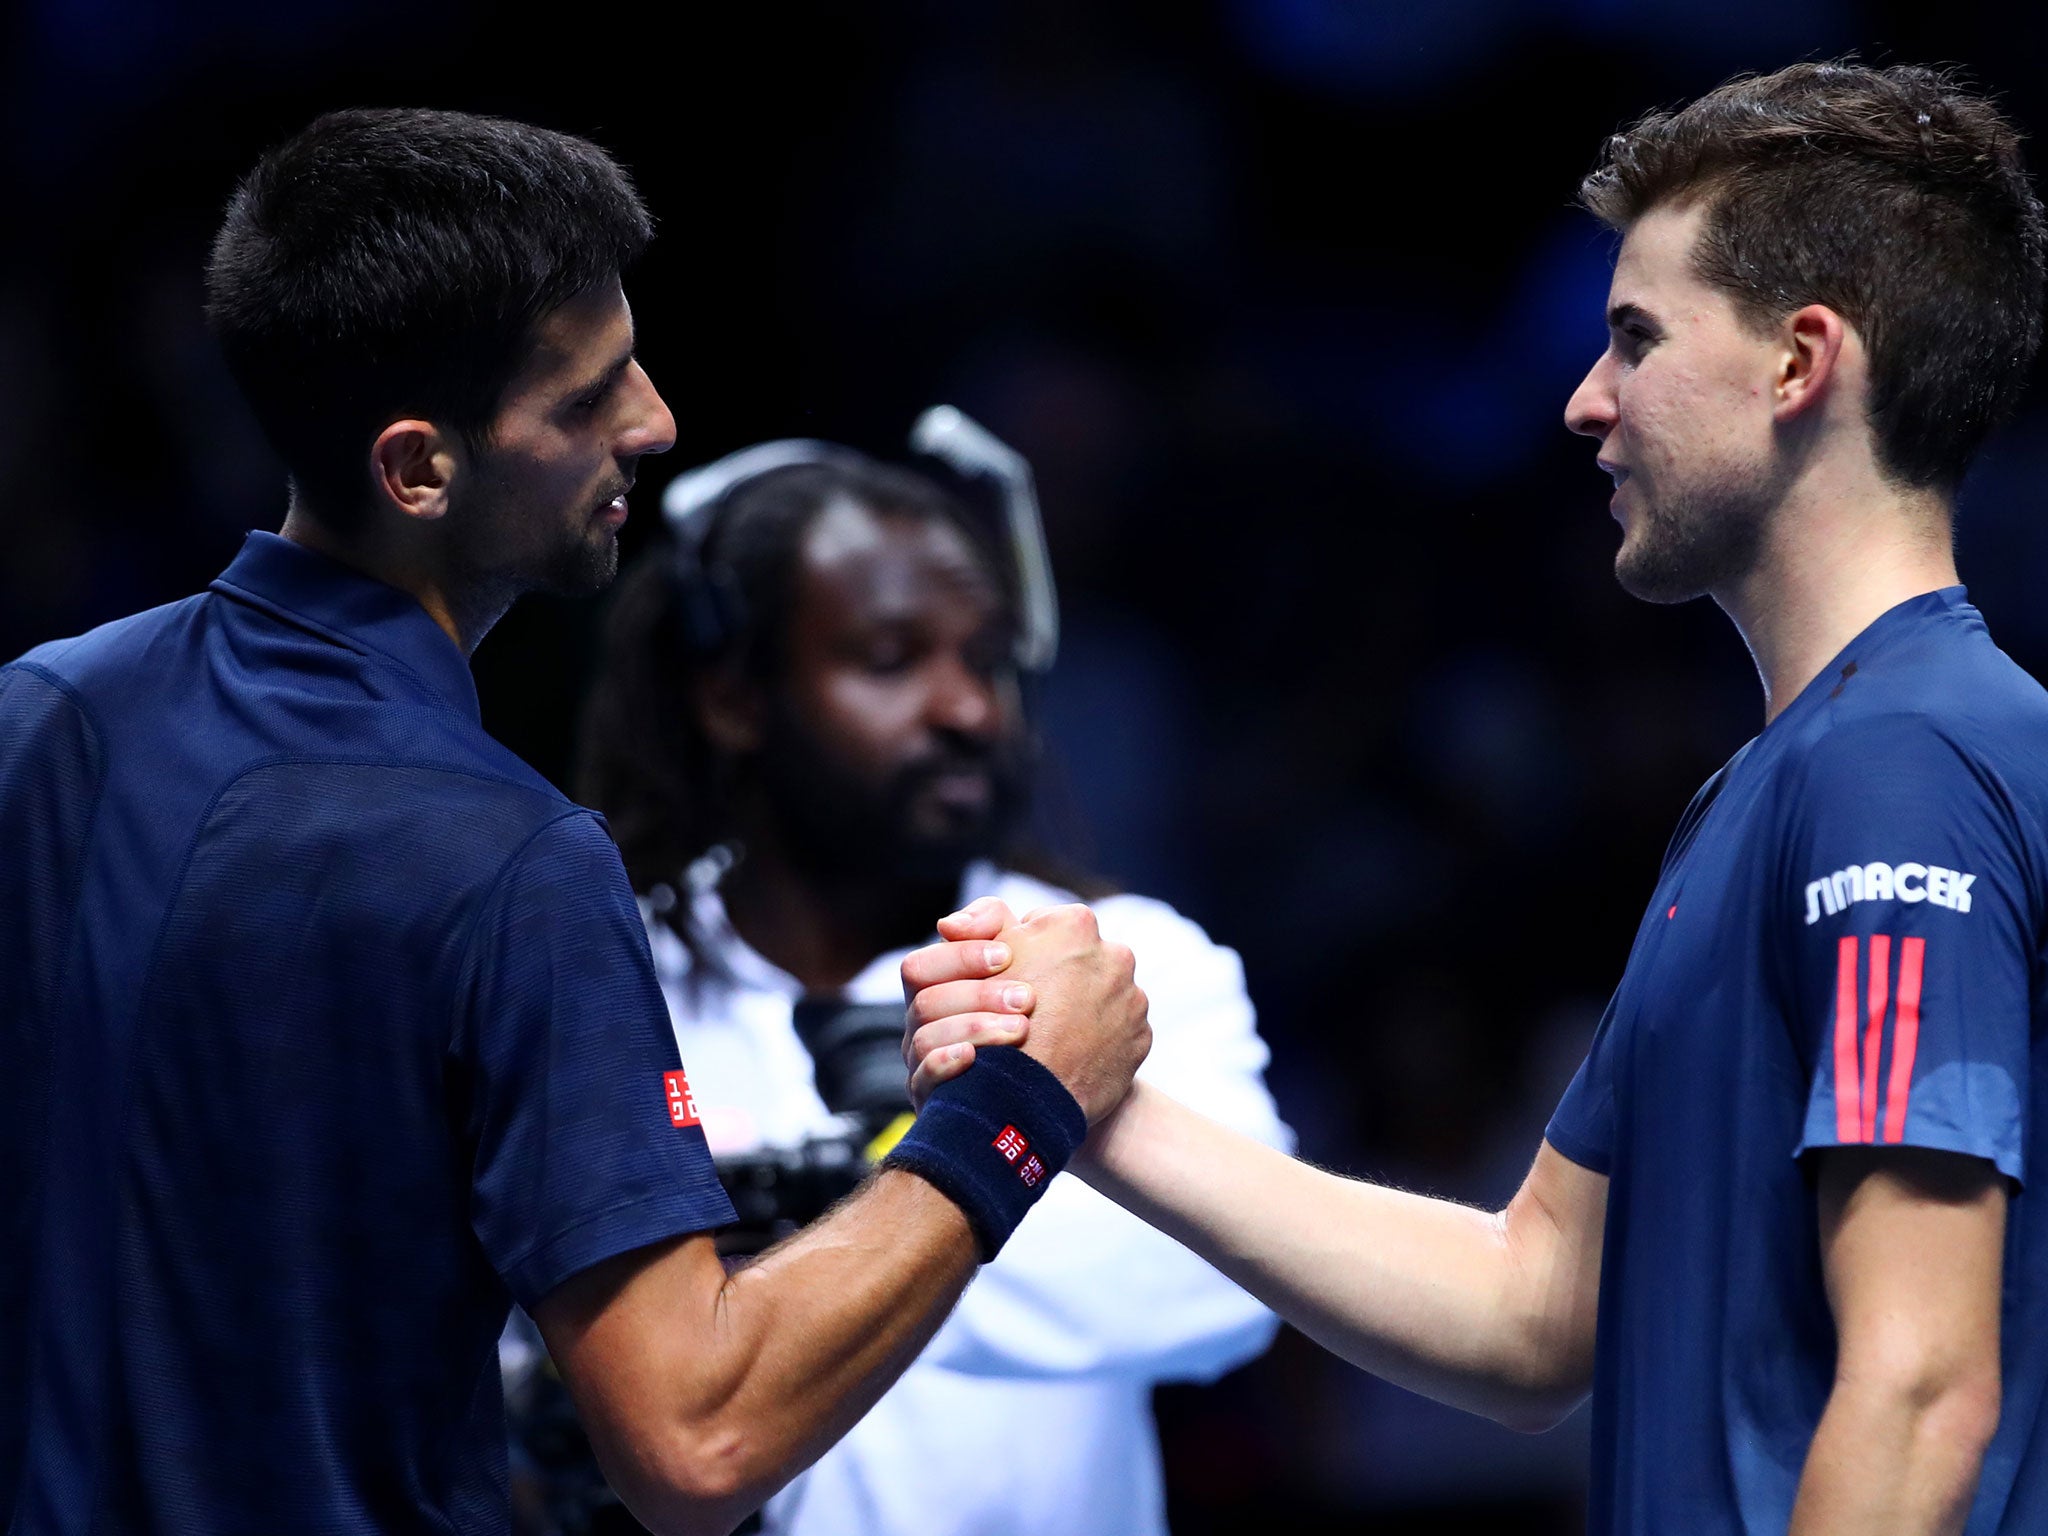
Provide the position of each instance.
(682, 1104)
(1011, 1144)
(1032, 1171)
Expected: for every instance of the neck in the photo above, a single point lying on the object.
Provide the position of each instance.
(1840, 552)
(464, 611)
(826, 930)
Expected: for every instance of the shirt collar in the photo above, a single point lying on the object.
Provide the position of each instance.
(1875, 637)
(341, 604)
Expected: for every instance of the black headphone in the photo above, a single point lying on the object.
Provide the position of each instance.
(713, 610)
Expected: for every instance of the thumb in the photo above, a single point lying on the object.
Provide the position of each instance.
(982, 919)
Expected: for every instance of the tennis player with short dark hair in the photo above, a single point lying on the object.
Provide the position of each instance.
(328, 1027)
(1777, 1225)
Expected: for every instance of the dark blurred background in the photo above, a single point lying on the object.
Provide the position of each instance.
(1283, 298)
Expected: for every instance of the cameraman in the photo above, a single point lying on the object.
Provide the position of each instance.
(809, 740)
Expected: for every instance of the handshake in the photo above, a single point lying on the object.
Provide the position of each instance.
(1047, 984)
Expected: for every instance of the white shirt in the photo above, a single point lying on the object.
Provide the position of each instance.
(1029, 1414)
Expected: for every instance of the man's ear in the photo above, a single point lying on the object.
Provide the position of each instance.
(1811, 344)
(732, 710)
(413, 463)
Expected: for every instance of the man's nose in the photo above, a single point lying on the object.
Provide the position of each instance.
(963, 699)
(653, 428)
(1590, 411)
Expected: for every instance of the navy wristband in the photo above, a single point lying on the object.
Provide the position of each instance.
(991, 1140)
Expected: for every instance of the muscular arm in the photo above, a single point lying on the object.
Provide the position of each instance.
(1491, 1312)
(703, 1393)
(1912, 1243)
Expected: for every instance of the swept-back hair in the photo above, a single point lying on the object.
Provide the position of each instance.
(1897, 198)
(393, 263)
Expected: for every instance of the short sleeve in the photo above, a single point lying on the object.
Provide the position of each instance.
(1910, 913)
(584, 1131)
(1582, 1126)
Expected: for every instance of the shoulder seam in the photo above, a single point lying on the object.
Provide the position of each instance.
(466, 969)
(177, 887)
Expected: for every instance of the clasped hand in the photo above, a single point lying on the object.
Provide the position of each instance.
(1048, 983)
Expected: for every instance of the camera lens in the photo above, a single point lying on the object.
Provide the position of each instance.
(857, 1055)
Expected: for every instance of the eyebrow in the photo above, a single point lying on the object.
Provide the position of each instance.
(1621, 314)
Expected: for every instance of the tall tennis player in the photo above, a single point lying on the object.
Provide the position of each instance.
(1778, 1226)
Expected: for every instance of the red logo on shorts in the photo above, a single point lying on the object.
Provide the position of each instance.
(1011, 1144)
(682, 1105)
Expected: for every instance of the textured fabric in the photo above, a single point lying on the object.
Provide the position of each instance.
(327, 1023)
(1058, 1342)
(1844, 948)
(992, 1139)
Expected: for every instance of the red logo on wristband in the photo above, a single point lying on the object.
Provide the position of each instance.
(1012, 1145)
(682, 1104)
(1032, 1172)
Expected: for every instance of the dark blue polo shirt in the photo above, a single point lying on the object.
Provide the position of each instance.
(1845, 948)
(327, 1028)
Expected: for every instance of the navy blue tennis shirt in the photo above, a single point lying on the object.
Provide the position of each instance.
(1845, 948)
(327, 1028)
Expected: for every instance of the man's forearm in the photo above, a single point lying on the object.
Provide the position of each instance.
(1912, 1245)
(820, 1326)
(1465, 1306)
(1894, 1463)
(751, 1377)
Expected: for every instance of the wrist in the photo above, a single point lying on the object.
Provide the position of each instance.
(992, 1140)
(1110, 1138)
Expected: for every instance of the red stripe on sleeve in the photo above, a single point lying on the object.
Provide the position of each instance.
(1873, 1032)
(1905, 1037)
(1848, 1111)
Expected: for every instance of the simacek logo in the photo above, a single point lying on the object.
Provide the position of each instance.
(1887, 882)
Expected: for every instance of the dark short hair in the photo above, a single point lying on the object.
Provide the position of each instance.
(643, 759)
(1895, 197)
(395, 263)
